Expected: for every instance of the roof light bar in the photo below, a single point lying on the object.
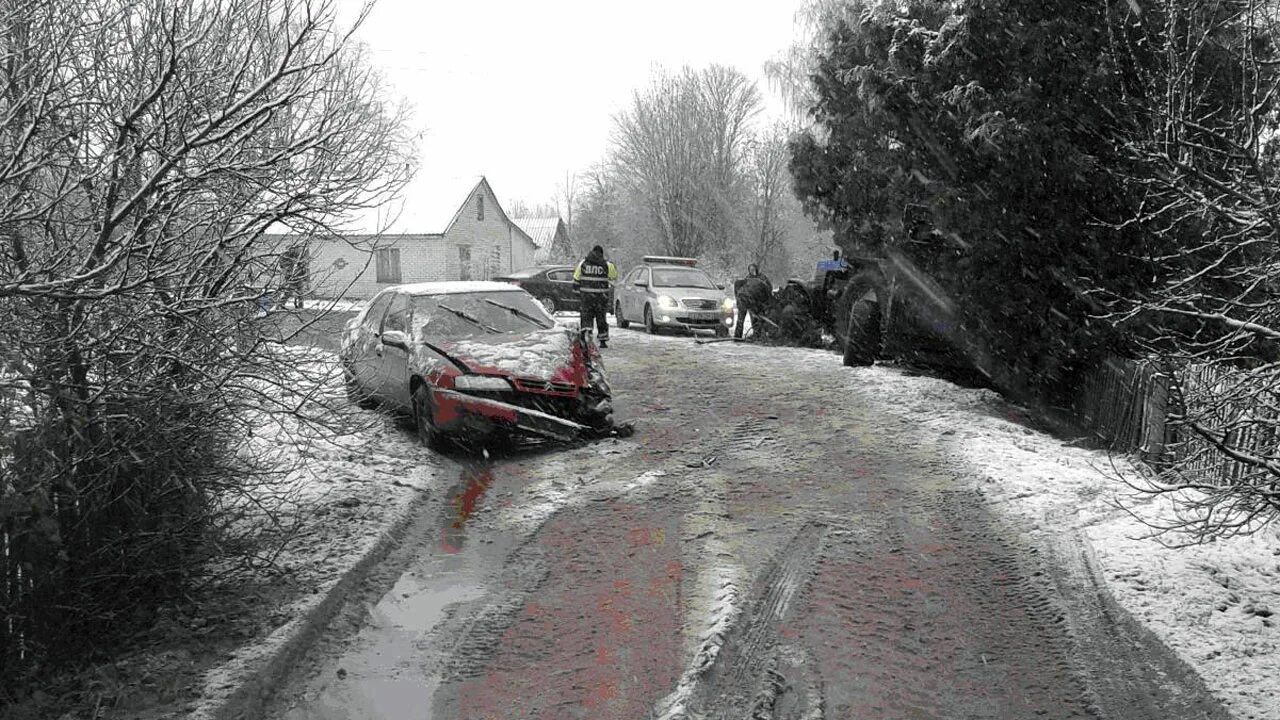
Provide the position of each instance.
(667, 260)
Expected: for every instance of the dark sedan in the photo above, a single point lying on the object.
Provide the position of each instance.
(552, 285)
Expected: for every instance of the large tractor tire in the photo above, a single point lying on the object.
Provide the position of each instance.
(857, 324)
(862, 334)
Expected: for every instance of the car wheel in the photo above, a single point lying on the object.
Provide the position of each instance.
(549, 304)
(722, 330)
(649, 327)
(596, 398)
(428, 435)
(356, 394)
(617, 314)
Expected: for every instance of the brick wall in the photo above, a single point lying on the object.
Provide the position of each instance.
(350, 264)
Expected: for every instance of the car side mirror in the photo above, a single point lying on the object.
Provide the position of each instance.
(641, 283)
(395, 338)
(720, 285)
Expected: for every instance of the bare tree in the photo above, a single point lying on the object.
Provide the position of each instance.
(1201, 83)
(789, 71)
(770, 197)
(680, 147)
(146, 147)
(566, 196)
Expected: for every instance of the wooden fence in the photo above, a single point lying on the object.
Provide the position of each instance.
(1126, 404)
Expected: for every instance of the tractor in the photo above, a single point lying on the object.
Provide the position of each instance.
(876, 308)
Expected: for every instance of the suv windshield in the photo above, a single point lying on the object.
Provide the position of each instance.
(479, 313)
(682, 277)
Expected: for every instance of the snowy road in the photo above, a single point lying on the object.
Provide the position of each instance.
(772, 543)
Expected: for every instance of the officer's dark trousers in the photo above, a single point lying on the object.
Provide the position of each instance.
(593, 309)
(743, 309)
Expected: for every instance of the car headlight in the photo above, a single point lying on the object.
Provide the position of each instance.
(666, 301)
(480, 383)
(727, 304)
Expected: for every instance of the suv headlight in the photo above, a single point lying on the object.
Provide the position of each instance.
(666, 301)
(481, 383)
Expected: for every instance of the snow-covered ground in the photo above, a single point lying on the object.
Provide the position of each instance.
(1210, 603)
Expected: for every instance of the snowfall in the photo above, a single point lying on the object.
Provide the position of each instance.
(1211, 603)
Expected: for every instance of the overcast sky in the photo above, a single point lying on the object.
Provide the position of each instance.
(522, 91)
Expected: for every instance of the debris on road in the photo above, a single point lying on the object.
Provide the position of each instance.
(702, 341)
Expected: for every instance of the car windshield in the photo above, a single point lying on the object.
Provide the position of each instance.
(461, 315)
(682, 277)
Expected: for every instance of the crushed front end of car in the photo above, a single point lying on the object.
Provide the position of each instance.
(557, 390)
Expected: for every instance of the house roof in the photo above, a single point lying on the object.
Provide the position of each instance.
(428, 205)
(541, 229)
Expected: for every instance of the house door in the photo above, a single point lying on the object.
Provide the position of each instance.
(464, 262)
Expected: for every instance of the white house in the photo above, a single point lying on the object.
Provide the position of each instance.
(450, 234)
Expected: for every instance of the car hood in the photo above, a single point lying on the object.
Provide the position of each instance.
(684, 293)
(544, 354)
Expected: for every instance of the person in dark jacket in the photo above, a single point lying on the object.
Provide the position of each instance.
(753, 293)
(593, 279)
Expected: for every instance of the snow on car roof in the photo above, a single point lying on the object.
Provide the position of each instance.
(453, 287)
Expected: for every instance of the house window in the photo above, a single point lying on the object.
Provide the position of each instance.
(389, 265)
(464, 262)
(480, 207)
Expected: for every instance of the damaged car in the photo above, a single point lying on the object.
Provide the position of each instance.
(472, 360)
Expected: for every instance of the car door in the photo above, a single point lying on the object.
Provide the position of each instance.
(625, 287)
(365, 356)
(393, 366)
(561, 282)
(620, 292)
(639, 289)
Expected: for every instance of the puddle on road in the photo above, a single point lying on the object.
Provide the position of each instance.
(384, 676)
(381, 677)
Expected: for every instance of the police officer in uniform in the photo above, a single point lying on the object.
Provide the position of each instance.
(753, 293)
(594, 278)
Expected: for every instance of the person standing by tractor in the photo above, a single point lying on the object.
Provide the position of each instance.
(593, 279)
(832, 274)
(753, 293)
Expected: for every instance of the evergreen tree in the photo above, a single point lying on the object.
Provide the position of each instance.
(977, 136)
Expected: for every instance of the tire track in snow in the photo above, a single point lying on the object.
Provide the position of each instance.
(732, 672)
